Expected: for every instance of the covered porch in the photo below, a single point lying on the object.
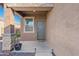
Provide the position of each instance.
(32, 28)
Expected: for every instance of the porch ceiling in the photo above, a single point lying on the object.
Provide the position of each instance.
(31, 8)
(31, 13)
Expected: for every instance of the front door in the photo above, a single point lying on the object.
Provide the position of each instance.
(41, 29)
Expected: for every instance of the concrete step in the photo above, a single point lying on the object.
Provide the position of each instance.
(22, 54)
(42, 48)
(43, 54)
(4, 54)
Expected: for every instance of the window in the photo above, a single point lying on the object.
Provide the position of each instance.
(29, 24)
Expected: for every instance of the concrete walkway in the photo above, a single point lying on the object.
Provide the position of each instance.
(42, 48)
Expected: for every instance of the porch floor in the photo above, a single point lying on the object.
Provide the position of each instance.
(30, 48)
(42, 48)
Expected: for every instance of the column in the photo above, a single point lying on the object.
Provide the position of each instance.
(8, 37)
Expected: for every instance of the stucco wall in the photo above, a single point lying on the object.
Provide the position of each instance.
(63, 29)
(31, 36)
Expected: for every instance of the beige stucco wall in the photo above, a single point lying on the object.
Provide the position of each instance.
(63, 29)
(31, 36)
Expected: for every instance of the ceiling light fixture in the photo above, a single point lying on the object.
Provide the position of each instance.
(34, 10)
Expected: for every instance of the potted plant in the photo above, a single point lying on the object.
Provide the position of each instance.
(18, 44)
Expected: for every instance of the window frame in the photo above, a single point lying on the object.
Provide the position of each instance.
(25, 24)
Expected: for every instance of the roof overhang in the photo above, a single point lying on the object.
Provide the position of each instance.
(31, 8)
(30, 4)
